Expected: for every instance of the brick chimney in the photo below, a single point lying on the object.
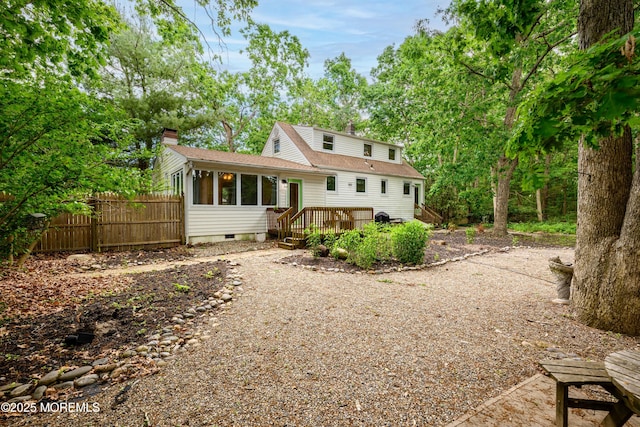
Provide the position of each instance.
(169, 136)
(351, 128)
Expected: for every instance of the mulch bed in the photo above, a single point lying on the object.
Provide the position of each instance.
(441, 246)
(120, 316)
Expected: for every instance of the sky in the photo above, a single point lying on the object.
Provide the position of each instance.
(326, 28)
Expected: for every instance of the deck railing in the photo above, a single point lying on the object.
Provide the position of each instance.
(284, 223)
(326, 219)
(426, 214)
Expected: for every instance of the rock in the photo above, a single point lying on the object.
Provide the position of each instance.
(193, 341)
(39, 392)
(20, 399)
(9, 386)
(323, 251)
(81, 258)
(20, 390)
(129, 353)
(119, 371)
(86, 380)
(71, 375)
(236, 283)
(226, 297)
(102, 361)
(341, 253)
(96, 266)
(105, 368)
(201, 309)
(64, 385)
(142, 348)
(165, 354)
(153, 343)
(161, 363)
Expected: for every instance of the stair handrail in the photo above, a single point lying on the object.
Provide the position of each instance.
(284, 223)
(427, 213)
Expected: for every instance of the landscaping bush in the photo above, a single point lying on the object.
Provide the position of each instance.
(471, 234)
(545, 227)
(374, 246)
(348, 241)
(408, 242)
(314, 239)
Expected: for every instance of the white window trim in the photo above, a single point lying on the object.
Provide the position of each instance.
(403, 193)
(333, 138)
(274, 146)
(370, 156)
(335, 191)
(366, 186)
(386, 187)
(395, 155)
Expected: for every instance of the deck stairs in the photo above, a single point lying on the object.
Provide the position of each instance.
(295, 241)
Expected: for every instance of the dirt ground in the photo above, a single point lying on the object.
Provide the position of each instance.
(56, 297)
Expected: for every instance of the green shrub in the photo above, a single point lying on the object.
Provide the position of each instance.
(314, 239)
(330, 239)
(471, 234)
(408, 242)
(374, 246)
(348, 241)
(545, 227)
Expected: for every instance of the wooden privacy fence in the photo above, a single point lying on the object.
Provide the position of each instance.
(149, 221)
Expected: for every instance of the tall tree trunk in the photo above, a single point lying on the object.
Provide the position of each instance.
(606, 282)
(505, 170)
(506, 166)
(539, 208)
(542, 194)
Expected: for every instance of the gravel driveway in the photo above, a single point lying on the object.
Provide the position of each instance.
(309, 348)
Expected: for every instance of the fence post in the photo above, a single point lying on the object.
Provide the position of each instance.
(94, 224)
(183, 232)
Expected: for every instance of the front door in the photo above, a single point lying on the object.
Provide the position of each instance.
(294, 194)
(416, 194)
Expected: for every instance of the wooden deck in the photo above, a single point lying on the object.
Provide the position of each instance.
(290, 225)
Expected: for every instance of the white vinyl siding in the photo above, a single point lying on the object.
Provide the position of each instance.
(168, 164)
(348, 145)
(393, 202)
(288, 150)
(206, 220)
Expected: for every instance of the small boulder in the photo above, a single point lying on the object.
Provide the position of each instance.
(323, 251)
(341, 253)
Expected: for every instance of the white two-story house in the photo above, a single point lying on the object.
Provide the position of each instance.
(232, 195)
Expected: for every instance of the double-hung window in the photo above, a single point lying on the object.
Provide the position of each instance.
(331, 183)
(327, 142)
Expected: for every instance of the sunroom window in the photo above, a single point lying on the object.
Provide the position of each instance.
(202, 187)
(226, 188)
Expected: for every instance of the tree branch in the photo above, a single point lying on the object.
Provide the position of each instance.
(550, 47)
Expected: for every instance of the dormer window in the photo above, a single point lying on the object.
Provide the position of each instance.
(327, 142)
(276, 146)
(392, 153)
(367, 150)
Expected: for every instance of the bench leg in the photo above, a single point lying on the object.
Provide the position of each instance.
(562, 397)
(617, 416)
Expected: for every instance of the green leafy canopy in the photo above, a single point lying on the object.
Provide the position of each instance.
(597, 95)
